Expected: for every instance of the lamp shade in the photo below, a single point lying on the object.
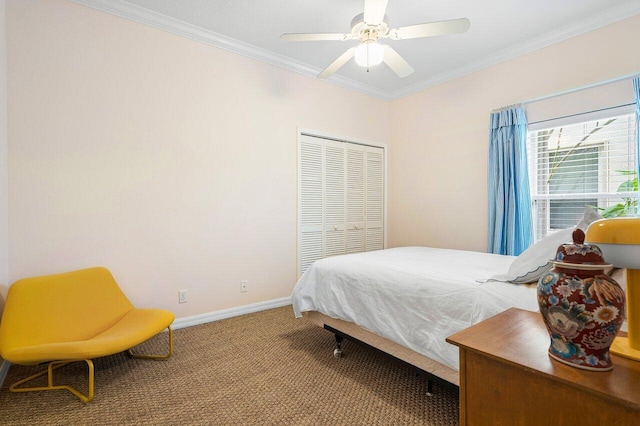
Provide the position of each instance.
(619, 240)
(369, 54)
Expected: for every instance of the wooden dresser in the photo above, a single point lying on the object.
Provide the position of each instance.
(507, 378)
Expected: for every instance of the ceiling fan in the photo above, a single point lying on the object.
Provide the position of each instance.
(372, 25)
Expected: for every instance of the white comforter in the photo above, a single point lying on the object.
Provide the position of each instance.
(414, 296)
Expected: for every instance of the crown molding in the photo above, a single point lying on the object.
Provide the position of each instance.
(157, 20)
(624, 11)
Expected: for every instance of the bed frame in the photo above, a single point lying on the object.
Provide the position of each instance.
(432, 370)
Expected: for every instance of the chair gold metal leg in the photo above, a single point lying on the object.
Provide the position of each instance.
(153, 356)
(54, 365)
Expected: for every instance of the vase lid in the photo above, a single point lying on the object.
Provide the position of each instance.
(580, 255)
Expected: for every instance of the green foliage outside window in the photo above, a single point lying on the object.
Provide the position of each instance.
(629, 205)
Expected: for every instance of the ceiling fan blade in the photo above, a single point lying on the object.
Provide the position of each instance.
(429, 29)
(335, 66)
(396, 62)
(374, 11)
(314, 37)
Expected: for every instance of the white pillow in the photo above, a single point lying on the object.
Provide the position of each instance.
(590, 215)
(536, 260)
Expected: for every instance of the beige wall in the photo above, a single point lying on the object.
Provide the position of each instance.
(171, 162)
(439, 144)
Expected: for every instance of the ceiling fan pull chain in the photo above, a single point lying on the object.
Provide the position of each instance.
(368, 46)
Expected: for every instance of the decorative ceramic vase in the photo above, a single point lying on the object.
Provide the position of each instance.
(582, 307)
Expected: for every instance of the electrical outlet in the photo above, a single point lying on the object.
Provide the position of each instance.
(183, 296)
(243, 286)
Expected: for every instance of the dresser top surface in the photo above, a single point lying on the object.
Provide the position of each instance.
(519, 337)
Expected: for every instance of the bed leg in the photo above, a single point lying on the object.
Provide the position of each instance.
(337, 352)
(429, 387)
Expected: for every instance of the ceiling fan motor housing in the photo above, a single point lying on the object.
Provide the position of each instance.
(366, 32)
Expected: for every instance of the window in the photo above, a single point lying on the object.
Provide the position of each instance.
(589, 163)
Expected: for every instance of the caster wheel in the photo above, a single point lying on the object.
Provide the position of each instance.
(337, 353)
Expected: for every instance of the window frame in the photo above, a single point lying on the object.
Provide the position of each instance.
(542, 224)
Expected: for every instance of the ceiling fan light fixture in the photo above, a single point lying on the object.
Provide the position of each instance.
(369, 27)
(369, 54)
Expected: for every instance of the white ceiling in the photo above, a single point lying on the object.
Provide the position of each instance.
(500, 30)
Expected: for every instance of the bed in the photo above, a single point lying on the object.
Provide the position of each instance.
(405, 301)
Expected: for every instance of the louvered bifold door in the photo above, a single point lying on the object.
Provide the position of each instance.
(334, 198)
(310, 202)
(341, 199)
(374, 204)
(355, 198)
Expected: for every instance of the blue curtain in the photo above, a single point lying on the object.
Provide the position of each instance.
(636, 91)
(510, 226)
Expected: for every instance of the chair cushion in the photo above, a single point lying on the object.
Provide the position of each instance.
(137, 326)
(75, 315)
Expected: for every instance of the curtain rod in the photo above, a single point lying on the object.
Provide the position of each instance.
(582, 113)
(569, 91)
(519, 104)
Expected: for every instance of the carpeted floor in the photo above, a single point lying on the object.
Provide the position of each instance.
(265, 368)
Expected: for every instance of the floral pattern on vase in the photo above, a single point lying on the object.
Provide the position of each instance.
(582, 308)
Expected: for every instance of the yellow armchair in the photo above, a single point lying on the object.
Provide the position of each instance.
(70, 317)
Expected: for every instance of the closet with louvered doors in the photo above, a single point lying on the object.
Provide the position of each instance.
(341, 194)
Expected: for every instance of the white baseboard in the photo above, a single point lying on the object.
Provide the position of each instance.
(4, 369)
(199, 319)
(229, 313)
